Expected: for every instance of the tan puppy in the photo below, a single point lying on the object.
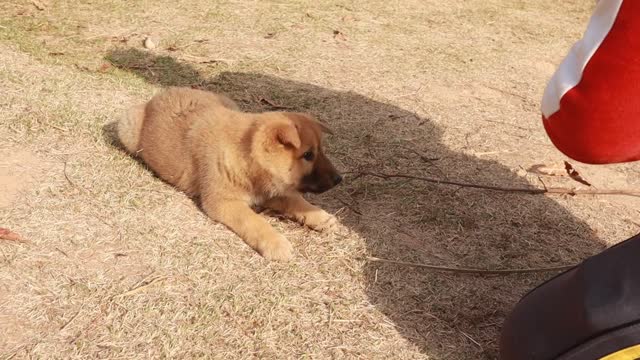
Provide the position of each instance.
(205, 146)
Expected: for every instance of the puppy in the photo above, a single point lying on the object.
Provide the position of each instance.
(233, 161)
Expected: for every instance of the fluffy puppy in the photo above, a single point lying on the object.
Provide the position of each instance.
(233, 161)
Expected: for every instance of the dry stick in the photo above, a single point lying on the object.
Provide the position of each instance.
(551, 190)
(470, 270)
(349, 206)
(64, 171)
(141, 287)
(69, 322)
(494, 188)
(470, 338)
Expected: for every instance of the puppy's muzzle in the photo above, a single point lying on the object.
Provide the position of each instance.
(319, 183)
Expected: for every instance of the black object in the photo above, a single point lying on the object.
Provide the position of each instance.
(591, 311)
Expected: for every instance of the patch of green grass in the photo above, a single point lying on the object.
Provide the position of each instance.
(12, 31)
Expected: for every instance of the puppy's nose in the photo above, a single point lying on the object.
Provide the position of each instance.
(337, 179)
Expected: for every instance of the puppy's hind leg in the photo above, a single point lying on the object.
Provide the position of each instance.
(251, 227)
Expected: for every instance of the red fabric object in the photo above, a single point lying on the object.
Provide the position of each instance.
(598, 120)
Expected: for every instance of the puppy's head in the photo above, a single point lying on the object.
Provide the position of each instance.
(296, 158)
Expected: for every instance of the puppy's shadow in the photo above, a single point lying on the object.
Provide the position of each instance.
(110, 135)
(444, 315)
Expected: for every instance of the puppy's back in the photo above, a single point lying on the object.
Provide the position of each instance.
(159, 132)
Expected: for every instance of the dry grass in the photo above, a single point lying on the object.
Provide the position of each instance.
(122, 266)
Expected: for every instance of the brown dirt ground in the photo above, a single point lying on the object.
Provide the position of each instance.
(122, 266)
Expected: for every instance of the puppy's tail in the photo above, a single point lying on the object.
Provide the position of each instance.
(130, 126)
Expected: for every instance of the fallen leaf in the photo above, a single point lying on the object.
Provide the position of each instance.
(6, 234)
(542, 169)
(82, 67)
(122, 38)
(337, 34)
(104, 67)
(272, 104)
(574, 174)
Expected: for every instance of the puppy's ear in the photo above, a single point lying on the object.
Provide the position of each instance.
(308, 117)
(287, 135)
(325, 128)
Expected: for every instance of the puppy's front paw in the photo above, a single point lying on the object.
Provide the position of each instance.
(277, 248)
(321, 221)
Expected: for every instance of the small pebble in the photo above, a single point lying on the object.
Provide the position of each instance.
(148, 43)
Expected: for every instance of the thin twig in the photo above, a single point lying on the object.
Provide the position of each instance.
(143, 286)
(349, 206)
(69, 322)
(551, 190)
(184, 47)
(544, 186)
(421, 156)
(470, 338)
(507, 92)
(62, 252)
(471, 270)
(273, 105)
(204, 60)
(408, 94)
(64, 171)
(139, 67)
(58, 128)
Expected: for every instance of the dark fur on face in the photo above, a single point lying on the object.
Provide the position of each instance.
(323, 177)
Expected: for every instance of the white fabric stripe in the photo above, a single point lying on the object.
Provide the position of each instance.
(569, 73)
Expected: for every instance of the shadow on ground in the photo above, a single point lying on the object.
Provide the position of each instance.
(445, 315)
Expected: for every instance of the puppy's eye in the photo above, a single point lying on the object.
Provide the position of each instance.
(308, 156)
